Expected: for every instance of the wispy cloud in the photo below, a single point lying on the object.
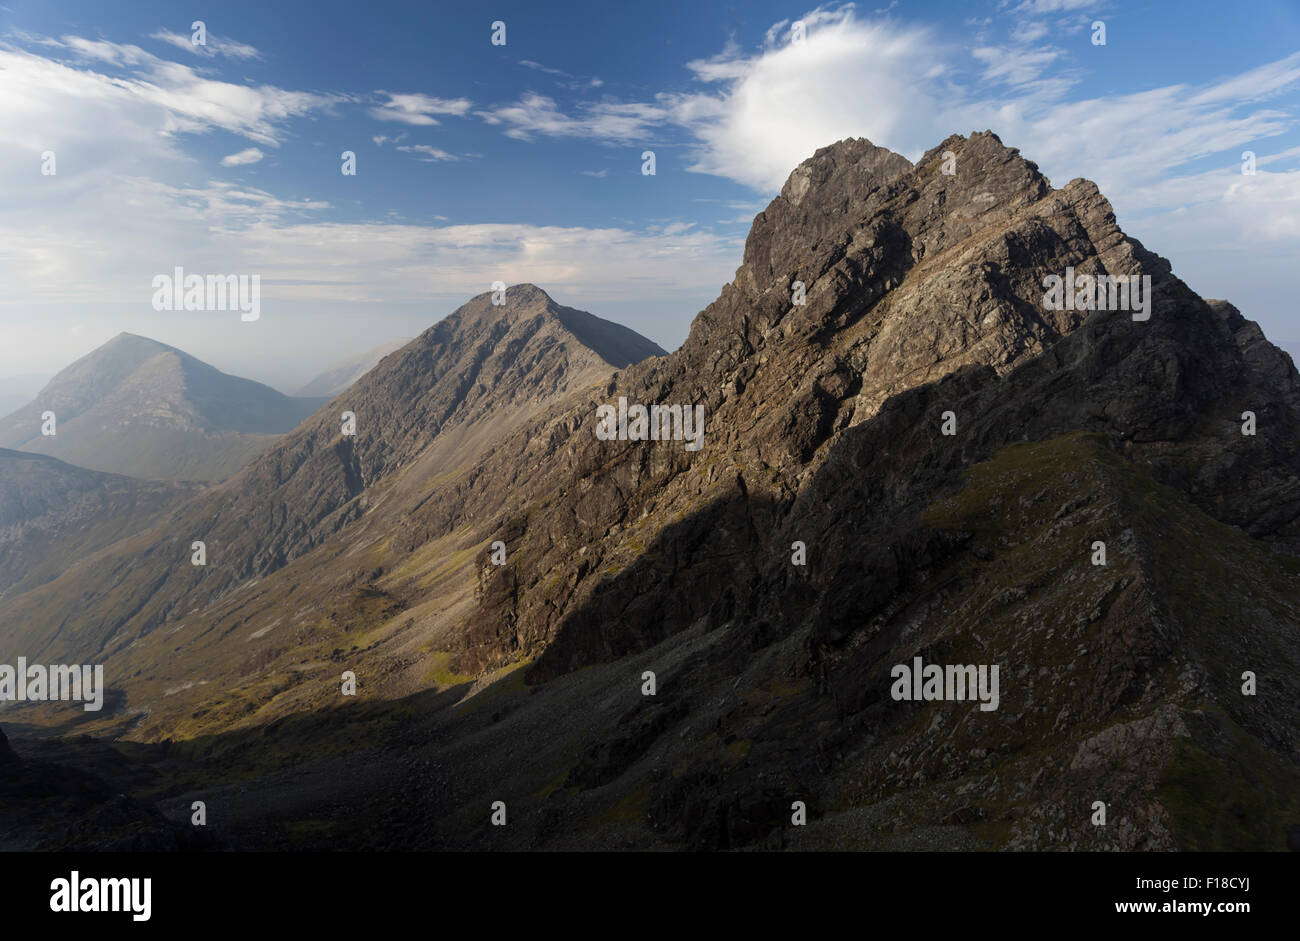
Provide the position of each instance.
(1028, 31)
(180, 99)
(418, 109)
(428, 154)
(1012, 65)
(243, 158)
(213, 45)
(571, 81)
(610, 121)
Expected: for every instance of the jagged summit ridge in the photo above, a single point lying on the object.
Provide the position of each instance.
(910, 274)
(613, 342)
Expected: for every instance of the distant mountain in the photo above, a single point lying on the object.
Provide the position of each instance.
(347, 371)
(139, 407)
(615, 343)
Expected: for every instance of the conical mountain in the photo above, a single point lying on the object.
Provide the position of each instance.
(138, 407)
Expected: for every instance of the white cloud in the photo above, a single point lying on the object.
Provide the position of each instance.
(776, 107)
(611, 121)
(181, 99)
(418, 109)
(226, 228)
(1056, 6)
(430, 154)
(213, 46)
(244, 157)
(1029, 31)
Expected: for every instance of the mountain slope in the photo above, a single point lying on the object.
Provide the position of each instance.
(924, 295)
(135, 406)
(52, 513)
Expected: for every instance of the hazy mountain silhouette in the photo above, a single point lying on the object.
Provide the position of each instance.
(138, 407)
(342, 374)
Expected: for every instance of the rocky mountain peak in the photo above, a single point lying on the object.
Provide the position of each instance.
(613, 343)
(821, 200)
(869, 280)
(838, 165)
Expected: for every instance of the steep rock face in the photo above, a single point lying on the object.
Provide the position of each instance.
(926, 274)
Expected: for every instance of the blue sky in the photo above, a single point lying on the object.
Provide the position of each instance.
(478, 162)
